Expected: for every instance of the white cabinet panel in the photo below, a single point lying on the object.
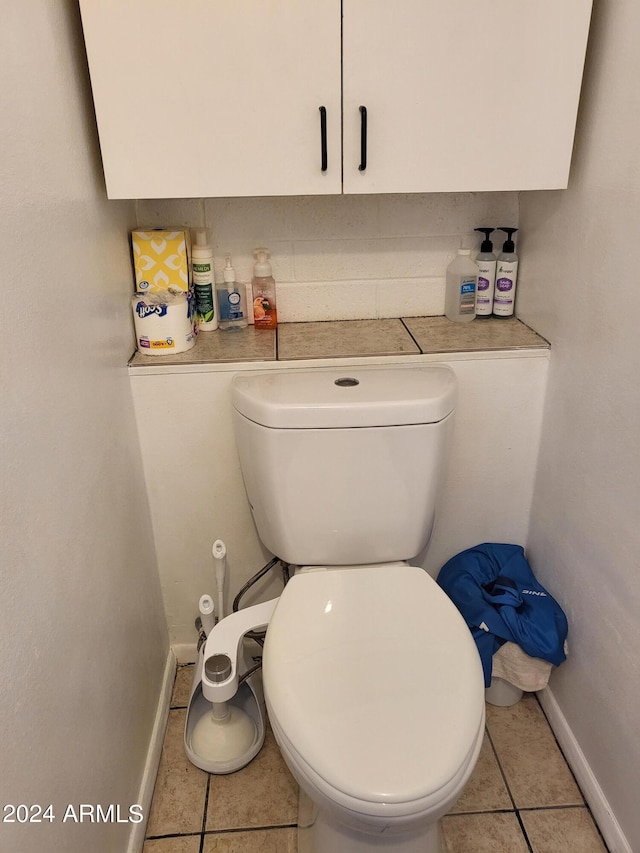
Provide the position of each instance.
(209, 98)
(213, 98)
(460, 95)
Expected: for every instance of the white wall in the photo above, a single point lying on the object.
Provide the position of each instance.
(197, 495)
(83, 640)
(579, 288)
(344, 257)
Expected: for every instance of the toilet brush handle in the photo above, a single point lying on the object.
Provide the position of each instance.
(219, 552)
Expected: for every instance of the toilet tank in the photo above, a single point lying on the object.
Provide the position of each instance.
(344, 466)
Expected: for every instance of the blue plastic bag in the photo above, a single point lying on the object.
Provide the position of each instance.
(500, 599)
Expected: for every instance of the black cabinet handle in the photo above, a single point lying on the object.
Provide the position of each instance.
(363, 139)
(323, 138)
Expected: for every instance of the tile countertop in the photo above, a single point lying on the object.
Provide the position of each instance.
(352, 339)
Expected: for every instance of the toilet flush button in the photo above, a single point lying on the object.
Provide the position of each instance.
(347, 382)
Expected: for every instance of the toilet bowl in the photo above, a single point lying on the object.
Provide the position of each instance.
(372, 680)
(376, 700)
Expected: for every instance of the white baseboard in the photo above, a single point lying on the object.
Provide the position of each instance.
(593, 793)
(145, 795)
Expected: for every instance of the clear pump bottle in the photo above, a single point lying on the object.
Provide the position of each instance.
(232, 300)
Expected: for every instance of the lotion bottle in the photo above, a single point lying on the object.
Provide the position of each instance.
(486, 262)
(202, 265)
(232, 300)
(263, 287)
(460, 294)
(504, 298)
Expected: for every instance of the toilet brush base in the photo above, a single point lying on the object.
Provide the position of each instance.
(221, 740)
(223, 747)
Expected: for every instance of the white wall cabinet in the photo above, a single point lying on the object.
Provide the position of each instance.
(210, 98)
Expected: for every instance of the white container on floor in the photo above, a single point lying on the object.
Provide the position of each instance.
(501, 693)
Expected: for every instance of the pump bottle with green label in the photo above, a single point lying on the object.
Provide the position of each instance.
(203, 284)
(504, 298)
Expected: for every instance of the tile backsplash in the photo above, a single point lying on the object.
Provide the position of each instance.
(343, 257)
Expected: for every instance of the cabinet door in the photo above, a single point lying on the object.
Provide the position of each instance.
(461, 95)
(206, 98)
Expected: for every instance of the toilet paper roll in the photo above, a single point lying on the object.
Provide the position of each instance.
(163, 322)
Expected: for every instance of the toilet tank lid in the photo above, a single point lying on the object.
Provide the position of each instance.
(346, 397)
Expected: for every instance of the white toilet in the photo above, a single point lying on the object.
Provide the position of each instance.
(372, 680)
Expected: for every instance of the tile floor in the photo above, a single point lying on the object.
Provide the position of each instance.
(522, 797)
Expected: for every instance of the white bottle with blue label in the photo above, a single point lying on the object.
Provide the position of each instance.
(232, 300)
(504, 297)
(460, 293)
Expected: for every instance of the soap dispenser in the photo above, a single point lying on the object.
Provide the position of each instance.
(506, 277)
(232, 300)
(486, 262)
(265, 315)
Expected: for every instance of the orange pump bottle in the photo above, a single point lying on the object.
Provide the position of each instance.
(263, 286)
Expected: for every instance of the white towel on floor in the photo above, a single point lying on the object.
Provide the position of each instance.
(520, 669)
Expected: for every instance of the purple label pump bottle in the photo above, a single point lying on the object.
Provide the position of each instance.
(506, 277)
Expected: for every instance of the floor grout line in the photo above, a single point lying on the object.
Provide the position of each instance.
(552, 808)
(236, 829)
(173, 835)
(204, 811)
(500, 768)
(524, 832)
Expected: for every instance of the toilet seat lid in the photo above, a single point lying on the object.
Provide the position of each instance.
(375, 680)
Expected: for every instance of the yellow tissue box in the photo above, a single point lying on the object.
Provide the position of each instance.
(161, 259)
